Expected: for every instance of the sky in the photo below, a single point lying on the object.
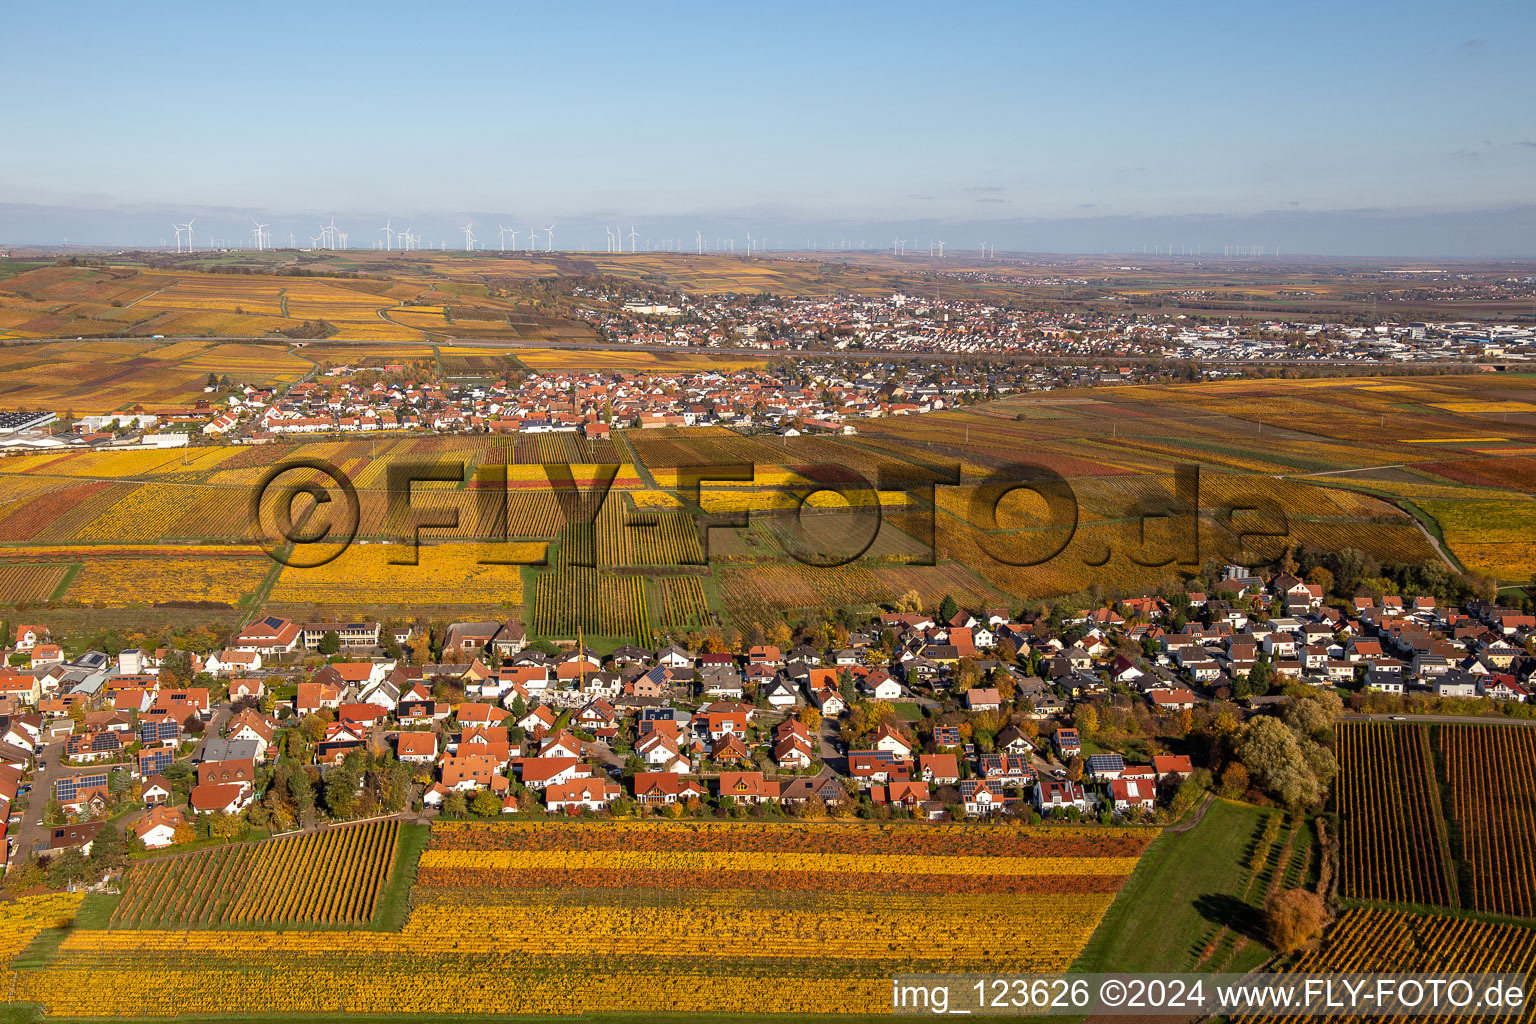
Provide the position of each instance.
(1365, 129)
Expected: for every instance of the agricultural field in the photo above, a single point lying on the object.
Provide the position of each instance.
(22, 582)
(21, 920)
(1395, 846)
(683, 602)
(101, 377)
(1326, 462)
(113, 575)
(331, 877)
(571, 600)
(1493, 800)
(1497, 538)
(444, 574)
(1438, 815)
(1376, 939)
(642, 918)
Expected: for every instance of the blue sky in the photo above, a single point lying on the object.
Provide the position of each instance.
(1333, 127)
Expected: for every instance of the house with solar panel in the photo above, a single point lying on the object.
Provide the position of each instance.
(79, 789)
(1105, 767)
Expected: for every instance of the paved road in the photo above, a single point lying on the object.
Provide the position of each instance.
(1451, 719)
(30, 832)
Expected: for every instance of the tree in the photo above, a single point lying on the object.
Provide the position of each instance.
(485, 804)
(330, 643)
(1261, 677)
(454, 805)
(176, 668)
(1310, 717)
(1293, 918)
(1075, 769)
(394, 781)
(226, 826)
(341, 791)
(948, 609)
(780, 636)
(312, 726)
(109, 851)
(810, 717)
(1235, 781)
(1277, 762)
(68, 867)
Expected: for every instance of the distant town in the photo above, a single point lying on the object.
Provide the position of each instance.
(913, 324)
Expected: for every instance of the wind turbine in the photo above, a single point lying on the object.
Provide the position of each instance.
(699, 239)
(387, 229)
(514, 239)
(187, 227)
(178, 235)
(632, 237)
(531, 241)
(941, 248)
(749, 243)
(259, 233)
(609, 232)
(469, 237)
(549, 233)
(502, 232)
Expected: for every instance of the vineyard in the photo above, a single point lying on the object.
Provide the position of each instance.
(1388, 806)
(683, 602)
(625, 538)
(1371, 939)
(1438, 815)
(443, 574)
(598, 603)
(1494, 800)
(29, 582)
(766, 918)
(331, 878)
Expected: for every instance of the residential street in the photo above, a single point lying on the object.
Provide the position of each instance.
(30, 832)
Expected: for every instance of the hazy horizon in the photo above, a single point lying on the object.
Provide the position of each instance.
(1365, 130)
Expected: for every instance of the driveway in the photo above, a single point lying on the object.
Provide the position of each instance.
(212, 728)
(827, 746)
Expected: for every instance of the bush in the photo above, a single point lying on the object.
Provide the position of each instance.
(1293, 918)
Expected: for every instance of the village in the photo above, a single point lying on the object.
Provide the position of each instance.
(1105, 713)
(374, 398)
